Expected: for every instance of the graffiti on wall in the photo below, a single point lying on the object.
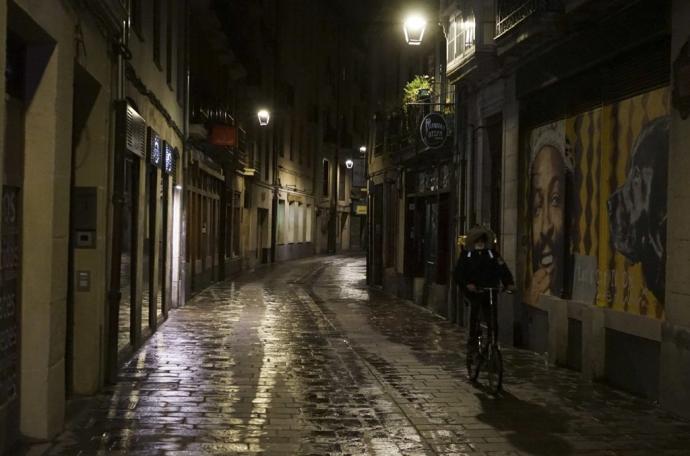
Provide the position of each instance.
(597, 188)
(550, 166)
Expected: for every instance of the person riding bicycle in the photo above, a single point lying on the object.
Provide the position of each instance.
(479, 267)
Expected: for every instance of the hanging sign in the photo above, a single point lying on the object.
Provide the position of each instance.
(169, 159)
(434, 130)
(155, 149)
(223, 135)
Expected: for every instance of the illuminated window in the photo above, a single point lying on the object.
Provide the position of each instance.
(157, 19)
(281, 222)
(326, 175)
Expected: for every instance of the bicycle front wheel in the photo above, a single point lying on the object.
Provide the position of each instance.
(494, 369)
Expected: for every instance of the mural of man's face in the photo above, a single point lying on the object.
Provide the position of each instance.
(548, 215)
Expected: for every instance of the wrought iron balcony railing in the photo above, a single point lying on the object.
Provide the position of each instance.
(510, 13)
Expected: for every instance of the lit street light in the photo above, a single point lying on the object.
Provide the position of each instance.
(264, 117)
(363, 149)
(349, 163)
(415, 25)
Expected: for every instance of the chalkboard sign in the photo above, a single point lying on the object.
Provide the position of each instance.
(9, 298)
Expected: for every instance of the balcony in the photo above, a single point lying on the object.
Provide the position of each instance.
(461, 41)
(511, 13)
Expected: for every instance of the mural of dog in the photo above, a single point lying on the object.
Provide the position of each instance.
(637, 210)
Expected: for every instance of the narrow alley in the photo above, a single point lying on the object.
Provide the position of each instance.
(303, 358)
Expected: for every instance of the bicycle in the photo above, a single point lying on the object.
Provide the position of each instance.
(488, 352)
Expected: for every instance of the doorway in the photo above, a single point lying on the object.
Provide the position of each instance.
(356, 226)
(126, 315)
(162, 241)
(377, 251)
(495, 139)
(262, 236)
(83, 207)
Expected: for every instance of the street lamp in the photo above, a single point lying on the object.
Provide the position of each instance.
(363, 149)
(414, 26)
(264, 117)
(349, 163)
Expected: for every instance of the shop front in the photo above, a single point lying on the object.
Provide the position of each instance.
(145, 178)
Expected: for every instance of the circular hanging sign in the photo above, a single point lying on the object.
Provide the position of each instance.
(434, 130)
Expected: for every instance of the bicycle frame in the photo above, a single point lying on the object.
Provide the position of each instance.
(488, 349)
(491, 320)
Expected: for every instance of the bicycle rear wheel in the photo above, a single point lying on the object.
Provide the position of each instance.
(474, 360)
(494, 369)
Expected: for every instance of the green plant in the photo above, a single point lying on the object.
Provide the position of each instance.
(420, 83)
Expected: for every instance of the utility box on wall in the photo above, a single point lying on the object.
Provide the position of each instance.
(84, 217)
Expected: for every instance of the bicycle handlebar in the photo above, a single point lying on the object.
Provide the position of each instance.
(496, 289)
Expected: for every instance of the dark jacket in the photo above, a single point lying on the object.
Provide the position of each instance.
(483, 268)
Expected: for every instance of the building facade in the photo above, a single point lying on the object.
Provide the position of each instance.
(90, 143)
(410, 183)
(571, 162)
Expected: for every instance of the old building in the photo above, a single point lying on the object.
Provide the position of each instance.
(341, 128)
(554, 148)
(260, 193)
(35, 226)
(410, 182)
(218, 158)
(146, 228)
(546, 152)
(94, 119)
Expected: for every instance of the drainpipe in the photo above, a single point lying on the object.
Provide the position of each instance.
(182, 272)
(274, 158)
(333, 222)
(115, 294)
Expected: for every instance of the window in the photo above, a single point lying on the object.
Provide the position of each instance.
(296, 225)
(283, 135)
(461, 36)
(256, 149)
(341, 182)
(291, 223)
(292, 140)
(267, 149)
(300, 223)
(290, 95)
(326, 175)
(392, 225)
(169, 15)
(450, 49)
(469, 29)
(136, 18)
(228, 232)
(281, 222)
(157, 17)
(236, 223)
(300, 142)
(181, 44)
(310, 148)
(307, 235)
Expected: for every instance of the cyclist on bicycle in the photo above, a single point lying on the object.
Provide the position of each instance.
(480, 267)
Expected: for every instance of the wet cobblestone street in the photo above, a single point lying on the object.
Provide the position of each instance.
(302, 358)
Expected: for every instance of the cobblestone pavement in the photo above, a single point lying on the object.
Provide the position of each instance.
(303, 359)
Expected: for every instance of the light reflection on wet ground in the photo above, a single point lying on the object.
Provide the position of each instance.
(303, 359)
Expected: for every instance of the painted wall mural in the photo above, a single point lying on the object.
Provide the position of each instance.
(550, 167)
(597, 189)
